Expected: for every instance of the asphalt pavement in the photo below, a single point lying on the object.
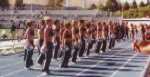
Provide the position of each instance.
(121, 61)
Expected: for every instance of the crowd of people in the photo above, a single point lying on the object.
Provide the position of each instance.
(73, 39)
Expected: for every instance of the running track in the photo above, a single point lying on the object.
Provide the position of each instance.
(120, 62)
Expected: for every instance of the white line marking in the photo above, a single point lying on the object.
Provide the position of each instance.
(15, 72)
(144, 71)
(12, 73)
(14, 64)
(123, 66)
(40, 75)
(78, 74)
(9, 65)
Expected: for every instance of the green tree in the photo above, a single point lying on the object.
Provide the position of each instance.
(134, 5)
(55, 3)
(100, 7)
(60, 3)
(142, 4)
(19, 3)
(126, 6)
(4, 3)
(108, 4)
(112, 5)
(93, 6)
(120, 6)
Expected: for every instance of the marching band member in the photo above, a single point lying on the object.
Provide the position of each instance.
(143, 46)
(29, 47)
(67, 44)
(57, 25)
(91, 36)
(76, 40)
(41, 34)
(47, 47)
(99, 35)
(60, 54)
(41, 40)
(89, 39)
(112, 29)
(71, 39)
(83, 34)
(104, 36)
(143, 31)
(125, 24)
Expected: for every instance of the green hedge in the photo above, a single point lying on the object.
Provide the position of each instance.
(134, 13)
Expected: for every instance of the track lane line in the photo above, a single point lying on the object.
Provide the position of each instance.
(20, 70)
(123, 66)
(80, 73)
(144, 71)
